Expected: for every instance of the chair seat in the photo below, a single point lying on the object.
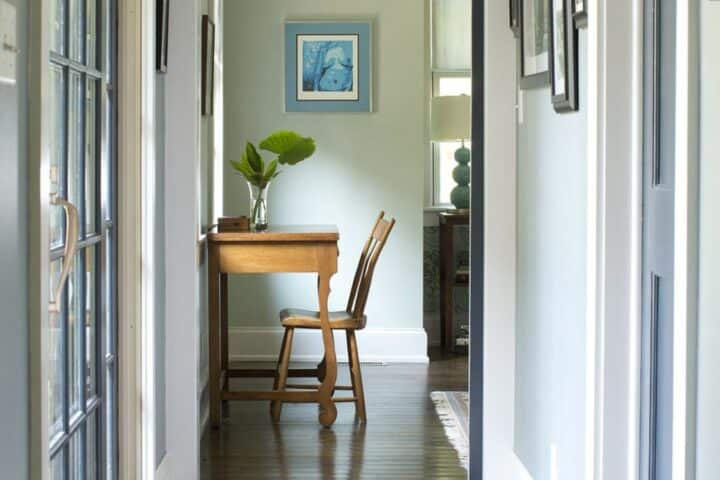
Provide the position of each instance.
(298, 318)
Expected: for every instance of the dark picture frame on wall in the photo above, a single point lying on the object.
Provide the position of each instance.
(208, 72)
(534, 42)
(162, 20)
(580, 13)
(563, 57)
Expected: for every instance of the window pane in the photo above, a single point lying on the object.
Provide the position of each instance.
(57, 26)
(91, 159)
(446, 164)
(75, 361)
(75, 146)
(57, 466)
(56, 378)
(75, 457)
(445, 151)
(91, 35)
(452, 86)
(91, 447)
(110, 423)
(451, 34)
(76, 33)
(90, 323)
(57, 150)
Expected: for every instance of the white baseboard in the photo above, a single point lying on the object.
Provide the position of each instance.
(398, 345)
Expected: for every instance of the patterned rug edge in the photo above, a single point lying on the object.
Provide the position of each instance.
(452, 421)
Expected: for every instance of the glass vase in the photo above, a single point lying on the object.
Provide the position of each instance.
(258, 206)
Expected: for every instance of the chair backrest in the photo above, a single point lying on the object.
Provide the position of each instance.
(366, 265)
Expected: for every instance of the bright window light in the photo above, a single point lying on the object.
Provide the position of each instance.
(449, 84)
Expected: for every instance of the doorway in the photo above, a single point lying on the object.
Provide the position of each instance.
(82, 380)
(355, 148)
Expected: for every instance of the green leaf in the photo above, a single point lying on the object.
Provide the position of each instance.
(244, 168)
(289, 146)
(271, 170)
(254, 159)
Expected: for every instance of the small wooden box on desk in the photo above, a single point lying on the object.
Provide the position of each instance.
(450, 276)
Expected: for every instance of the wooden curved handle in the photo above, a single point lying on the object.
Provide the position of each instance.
(71, 239)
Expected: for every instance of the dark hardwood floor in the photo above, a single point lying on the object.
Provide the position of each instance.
(403, 438)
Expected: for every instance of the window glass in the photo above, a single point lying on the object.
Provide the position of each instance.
(444, 152)
(56, 333)
(74, 358)
(91, 33)
(76, 33)
(90, 326)
(454, 85)
(91, 447)
(57, 26)
(57, 150)
(57, 466)
(91, 159)
(451, 32)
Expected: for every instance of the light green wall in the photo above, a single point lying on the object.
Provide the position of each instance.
(708, 415)
(364, 162)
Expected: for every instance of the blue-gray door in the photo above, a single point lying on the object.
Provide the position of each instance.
(658, 239)
(82, 385)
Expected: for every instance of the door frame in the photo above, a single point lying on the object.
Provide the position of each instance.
(132, 419)
(616, 153)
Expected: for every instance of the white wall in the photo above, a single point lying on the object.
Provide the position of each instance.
(708, 417)
(184, 278)
(551, 285)
(364, 163)
(498, 350)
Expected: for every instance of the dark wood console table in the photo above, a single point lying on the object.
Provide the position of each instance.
(450, 277)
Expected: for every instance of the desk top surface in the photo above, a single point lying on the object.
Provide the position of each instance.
(281, 233)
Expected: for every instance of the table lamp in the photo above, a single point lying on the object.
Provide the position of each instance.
(450, 122)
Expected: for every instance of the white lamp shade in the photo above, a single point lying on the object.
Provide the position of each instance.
(450, 118)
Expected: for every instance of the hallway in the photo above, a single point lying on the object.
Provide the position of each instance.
(403, 439)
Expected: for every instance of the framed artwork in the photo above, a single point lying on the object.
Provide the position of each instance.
(328, 67)
(534, 40)
(161, 34)
(514, 17)
(580, 13)
(208, 55)
(563, 57)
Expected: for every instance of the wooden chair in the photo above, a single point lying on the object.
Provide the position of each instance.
(351, 319)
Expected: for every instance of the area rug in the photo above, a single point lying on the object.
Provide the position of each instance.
(453, 410)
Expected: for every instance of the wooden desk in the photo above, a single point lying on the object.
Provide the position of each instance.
(279, 249)
(448, 276)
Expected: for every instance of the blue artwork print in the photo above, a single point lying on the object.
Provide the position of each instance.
(327, 66)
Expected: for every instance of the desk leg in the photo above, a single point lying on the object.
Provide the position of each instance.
(328, 411)
(214, 338)
(447, 262)
(224, 352)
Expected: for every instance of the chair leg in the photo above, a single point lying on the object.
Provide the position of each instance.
(356, 376)
(281, 374)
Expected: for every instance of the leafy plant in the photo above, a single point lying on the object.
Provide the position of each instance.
(291, 149)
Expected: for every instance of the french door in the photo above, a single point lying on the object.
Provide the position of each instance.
(82, 386)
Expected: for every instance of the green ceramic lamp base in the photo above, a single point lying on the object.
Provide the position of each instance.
(460, 195)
